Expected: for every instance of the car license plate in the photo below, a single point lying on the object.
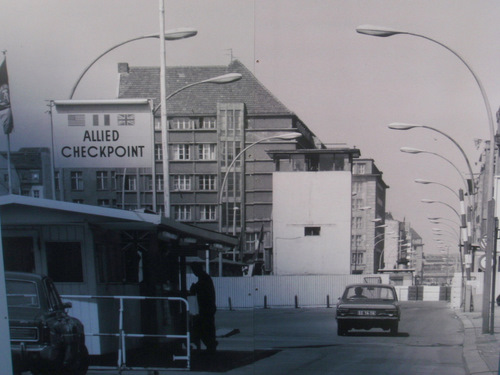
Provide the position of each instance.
(366, 312)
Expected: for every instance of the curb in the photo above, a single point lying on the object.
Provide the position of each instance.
(475, 363)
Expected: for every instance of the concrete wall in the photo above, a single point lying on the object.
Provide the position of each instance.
(299, 201)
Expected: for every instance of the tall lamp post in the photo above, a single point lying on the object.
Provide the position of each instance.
(173, 34)
(285, 136)
(488, 288)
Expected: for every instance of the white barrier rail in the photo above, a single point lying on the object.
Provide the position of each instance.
(121, 335)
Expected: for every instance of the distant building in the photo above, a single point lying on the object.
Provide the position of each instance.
(31, 172)
(368, 212)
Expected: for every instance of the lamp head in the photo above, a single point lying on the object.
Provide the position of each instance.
(380, 31)
(428, 201)
(411, 150)
(421, 181)
(288, 136)
(180, 33)
(226, 78)
(402, 126)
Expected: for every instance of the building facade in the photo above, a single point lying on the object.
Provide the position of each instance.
(208, 127)
(368, 213)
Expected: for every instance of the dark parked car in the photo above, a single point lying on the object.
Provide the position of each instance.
(44, 338)
(367, 306)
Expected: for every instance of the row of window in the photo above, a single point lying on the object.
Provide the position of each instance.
(110, 180)
(205, 151)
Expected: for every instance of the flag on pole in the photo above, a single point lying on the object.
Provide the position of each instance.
(6, 119)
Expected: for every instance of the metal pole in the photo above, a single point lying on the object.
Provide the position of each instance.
(163, 118)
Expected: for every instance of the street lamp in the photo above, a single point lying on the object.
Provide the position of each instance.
(436, 201)
(403, 126)
(286, 136)
(488, 287)
(175, 34)
(427, 182)
(411, 150)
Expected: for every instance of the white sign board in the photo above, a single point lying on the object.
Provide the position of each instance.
(103, 133)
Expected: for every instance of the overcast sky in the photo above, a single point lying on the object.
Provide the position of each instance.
(345, 86)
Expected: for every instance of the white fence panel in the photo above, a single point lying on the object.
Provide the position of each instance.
(431, 293)
(402, 292)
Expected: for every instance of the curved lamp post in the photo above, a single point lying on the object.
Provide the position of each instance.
(488, 286)
(411, 150)
(225, 78)
(175, 34)
(427, 182)
(286, 136)
(403, 126)
(436, 201)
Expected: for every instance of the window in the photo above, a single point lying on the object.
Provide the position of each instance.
(357, 188)
(182, 124)
(207, 182)
(208, 212)
(126, 120)
(181, 152)
(36, 193)
(57, 180)
(360, 169)
(356, 241)
(206, 151)
(357, 258)
(76, 120)
(95, 120)
(113, 180)
(148, 182)
(158, 152)
(78, 201)
(76, 180)
(157, 125)
(357, 223)
(64, 261)
(312, 231)
(102, 180)
(182, 213)
(182, 182)
(159, 182)
(209, 123)
(130, 183)
(107, 120)
(103, 202)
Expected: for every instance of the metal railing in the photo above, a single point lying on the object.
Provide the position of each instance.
(121, 335)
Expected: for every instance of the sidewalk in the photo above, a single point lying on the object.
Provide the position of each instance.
(481, 351)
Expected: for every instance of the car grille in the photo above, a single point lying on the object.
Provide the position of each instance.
(24, 334)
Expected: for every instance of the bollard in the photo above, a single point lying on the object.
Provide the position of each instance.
(230, 304)
(265, 302)
(327, 301)
(296, 302)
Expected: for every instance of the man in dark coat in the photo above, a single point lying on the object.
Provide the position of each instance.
(204, 322)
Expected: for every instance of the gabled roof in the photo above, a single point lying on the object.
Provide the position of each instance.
(144, 82)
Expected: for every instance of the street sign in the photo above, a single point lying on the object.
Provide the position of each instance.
(482, 262)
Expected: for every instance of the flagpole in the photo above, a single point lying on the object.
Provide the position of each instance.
(7, 120)
(9, 169)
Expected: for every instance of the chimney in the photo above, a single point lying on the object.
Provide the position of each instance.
(123, 68)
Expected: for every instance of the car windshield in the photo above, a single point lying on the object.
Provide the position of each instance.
(370, 292)
(22, 294)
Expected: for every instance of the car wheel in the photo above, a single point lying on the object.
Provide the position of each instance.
(394, 328)
(341, 328)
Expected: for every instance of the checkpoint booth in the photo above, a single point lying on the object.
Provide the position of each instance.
(92, 251)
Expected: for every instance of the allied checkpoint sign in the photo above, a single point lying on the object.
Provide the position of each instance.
(103, 133)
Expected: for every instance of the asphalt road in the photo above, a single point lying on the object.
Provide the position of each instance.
(429, 341)
(304, 341)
